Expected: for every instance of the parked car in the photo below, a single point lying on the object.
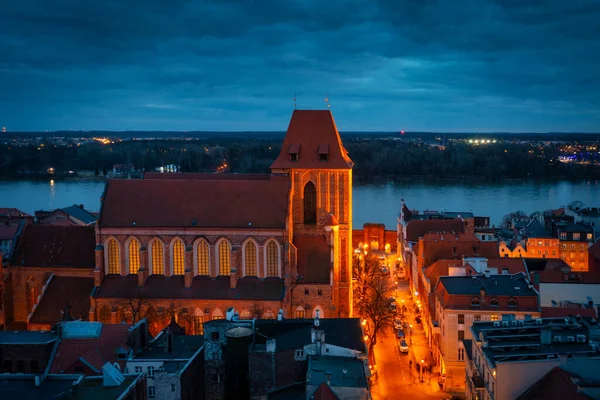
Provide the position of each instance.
(403, 346)
(400, 334)
(398, 324)
(384, 271)
(393, 306)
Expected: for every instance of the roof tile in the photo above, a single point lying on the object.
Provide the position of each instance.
(62, 291)
(418, 228)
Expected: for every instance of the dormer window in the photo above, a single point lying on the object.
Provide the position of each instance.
(323, 152)
(294, 151)
(494, 302)
(475, 302)
(512, 303)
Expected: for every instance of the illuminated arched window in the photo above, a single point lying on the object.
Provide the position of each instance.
(178, 258)
(114, 265)
(310, 203)
(134, 256)
(224, 258)
(202, 254)
(250, 259)
(272, 259)
(158, 258)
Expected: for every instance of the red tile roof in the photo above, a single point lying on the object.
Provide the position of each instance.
(8, 232)
(514, 265)
(418, 228)
(314, 258)
(557, 384)
(13, 212)
(210, 200)
(310, 130)
(70, 350)
(324, 392)
(56, 246)
(440, 268)
(441, 246)
(62, 291)
(556, 312)
(163, 287)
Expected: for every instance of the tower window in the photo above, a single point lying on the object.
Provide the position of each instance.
(294, 157)
(323, 157)
(310, 203)
(293, 151)
(323, 152)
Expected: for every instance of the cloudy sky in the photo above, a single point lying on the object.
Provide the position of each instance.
(447, 65)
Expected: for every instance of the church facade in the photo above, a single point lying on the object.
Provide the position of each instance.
(193, 245)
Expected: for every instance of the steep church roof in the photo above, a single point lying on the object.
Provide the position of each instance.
(314, 138)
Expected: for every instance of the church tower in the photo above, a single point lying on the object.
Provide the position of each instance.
(320, 171)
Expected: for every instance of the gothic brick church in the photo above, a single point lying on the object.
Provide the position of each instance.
(193, 245)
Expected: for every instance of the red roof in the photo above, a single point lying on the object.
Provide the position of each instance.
(514, 265)
(309, 133)
(559, 312)
(557, 384)
(62, 291)
(56, 246)
(8, 232)
(331, 221)
(594, 250)
(205, 201)
(13, 213)
(440, 268)
(324, 392)
(447, 246)
(418, 228)
(569, 277)
(70, 350)
(314, 259)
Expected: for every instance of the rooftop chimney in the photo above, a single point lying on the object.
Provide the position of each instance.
(230, 313)
(280, 315)
(482, 295)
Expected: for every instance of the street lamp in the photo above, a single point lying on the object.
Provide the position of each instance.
(422, 372)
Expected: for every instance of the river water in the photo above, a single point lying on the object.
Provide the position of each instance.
(373, 202)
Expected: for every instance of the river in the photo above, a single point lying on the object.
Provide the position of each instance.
(373, 202)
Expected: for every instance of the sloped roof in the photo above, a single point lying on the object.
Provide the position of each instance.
(62, 291)
(79, 213)
(443, 246)
(164, 287)
(324, 392)
(440, 268)
(496, 285)
(13, 213)
(418, 228)
(8, 232)
(557, 312)
(205, 201)
(307, 132)
(557, 384)
(535, 230)
(331, 221)
(594, 250)
(70, 350)
(314, 258)
(56, 246)
(514, 265)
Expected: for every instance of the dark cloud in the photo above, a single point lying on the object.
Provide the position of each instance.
(457, 65)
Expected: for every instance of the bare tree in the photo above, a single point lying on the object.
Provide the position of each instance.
(364, 268)
(132, 306)
(375, 307)
(508, 218)
(257, 310)
(576, 205)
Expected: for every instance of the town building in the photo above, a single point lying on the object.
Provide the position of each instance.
(9, 232)
(483, 230)
(26, 352)
(575, 240)
(49, 256)
(173, 363)
(505, 358)
(72, 215)
(197, 244)
(344, 377)
(594, 257)
(462, 300)
(375, 239)
(564, 383)
(540, 244)
(259, 358)
(511, 249)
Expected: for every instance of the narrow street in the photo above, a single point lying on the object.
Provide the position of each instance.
(397, 379)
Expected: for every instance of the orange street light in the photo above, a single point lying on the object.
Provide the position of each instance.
(364, 322)
(366, 337)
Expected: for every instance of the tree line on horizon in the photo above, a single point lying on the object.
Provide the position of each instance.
(372, 158)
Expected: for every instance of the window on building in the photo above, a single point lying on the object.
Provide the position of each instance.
(114, 265)
(475, 302)
(493, 317)
(582, 246)
(563, 235)
(306, 292)
(461, 335)
(576, 236)
(300, 313)
(151, 391)
(461, 318)
(512, 303)
(461, 354)
(151, 371)
(582, 256)
(323, 157)
(7, 366)
(158, 258)
(198, 324)
(20, 366)
(553, 252)
(494, 302)
(310, 203)
(590, 236)
(294, 157)
(138, 369)
(178, 258)
(299, 355)
(214, 335)
(547, 243)
(134, 256)
(272, 259)
(224, 258)
(34, 366)
(250, 259)
(202, 254)
(476, 318)
(320, 292)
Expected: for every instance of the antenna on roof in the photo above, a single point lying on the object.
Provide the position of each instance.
(327, 100)
(294, 98)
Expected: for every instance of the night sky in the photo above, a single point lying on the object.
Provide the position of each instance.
(420, 65)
